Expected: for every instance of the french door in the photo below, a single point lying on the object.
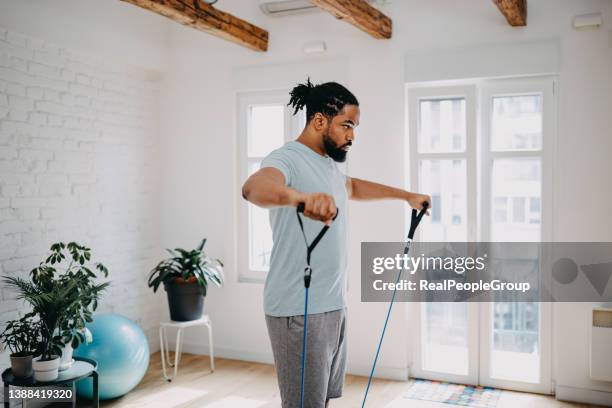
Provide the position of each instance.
(483, 151)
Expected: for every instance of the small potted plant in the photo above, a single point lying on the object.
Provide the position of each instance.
(185, 276)
(63, 302)
(71, 341)
(21, 337)
(49, 301)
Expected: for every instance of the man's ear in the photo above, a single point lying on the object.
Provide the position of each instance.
(320, 121)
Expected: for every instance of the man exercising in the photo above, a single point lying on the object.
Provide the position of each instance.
(305, 171)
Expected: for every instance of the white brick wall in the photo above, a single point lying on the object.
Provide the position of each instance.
(78, 153)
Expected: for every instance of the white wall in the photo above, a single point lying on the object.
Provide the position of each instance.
(113, 30)
(79, 145)
(200, 190)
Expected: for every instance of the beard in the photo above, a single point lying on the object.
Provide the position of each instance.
(332, 149)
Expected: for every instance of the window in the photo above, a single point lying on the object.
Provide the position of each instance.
(516, 123)
(534, 210)
(515, 136)
(442, 160)
(483, 151)
(265, 132)
(442, 125)
(265, 123)
(500, 210)
(516, 158)
(482, 146)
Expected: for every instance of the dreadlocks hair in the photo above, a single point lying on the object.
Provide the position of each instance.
(328, 98)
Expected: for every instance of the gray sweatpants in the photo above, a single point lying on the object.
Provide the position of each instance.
(325, 357)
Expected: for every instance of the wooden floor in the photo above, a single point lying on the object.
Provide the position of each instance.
(239, 384)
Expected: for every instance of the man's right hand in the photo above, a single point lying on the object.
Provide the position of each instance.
(317, 206)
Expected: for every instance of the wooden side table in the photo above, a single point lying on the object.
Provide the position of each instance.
(82, 368)
(181, 326)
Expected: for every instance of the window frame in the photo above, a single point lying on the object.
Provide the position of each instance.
(292, 126)
(478, 94)
(545, 86)
(479, 228)
(468, 92)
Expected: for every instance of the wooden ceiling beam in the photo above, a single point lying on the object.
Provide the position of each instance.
(204, 17)
(360, 14)
(515, 11)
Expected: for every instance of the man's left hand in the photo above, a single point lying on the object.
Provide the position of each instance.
(416, 201)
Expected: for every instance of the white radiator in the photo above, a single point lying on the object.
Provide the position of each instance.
(601, 344)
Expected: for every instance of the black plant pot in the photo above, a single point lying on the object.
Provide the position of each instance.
(21, 365)
(185, 300)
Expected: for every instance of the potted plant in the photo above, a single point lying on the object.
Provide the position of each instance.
(80, 335)
(63, 302)
(21, 337)
(185, 276)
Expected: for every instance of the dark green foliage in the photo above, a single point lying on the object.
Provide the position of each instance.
(64, 302)
(21, 336)
(188, 264)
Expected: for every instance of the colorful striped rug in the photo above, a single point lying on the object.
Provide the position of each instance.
(456, 394)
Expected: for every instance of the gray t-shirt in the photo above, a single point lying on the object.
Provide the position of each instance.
(307, 171)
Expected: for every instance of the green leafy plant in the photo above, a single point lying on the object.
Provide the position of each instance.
(64, 302)
(21, 336)
(188, 266)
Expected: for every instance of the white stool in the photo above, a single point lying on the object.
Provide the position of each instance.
(180, 326)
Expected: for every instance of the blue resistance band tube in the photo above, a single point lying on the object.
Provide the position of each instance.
(307, 276)
(414, 223)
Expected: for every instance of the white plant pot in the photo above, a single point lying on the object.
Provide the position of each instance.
(66, 360)
(46, 370)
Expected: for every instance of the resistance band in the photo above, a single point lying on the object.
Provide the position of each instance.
(307, 276)
(414, 223)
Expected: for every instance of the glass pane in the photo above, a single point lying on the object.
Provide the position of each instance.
(260, 234)
(515, 351)
(446, 181)
(266, 129)
(534, 210)
(445, 337)
(500, 209)
(516, 186)
(441, 125)
(517, 123)
(518, 209)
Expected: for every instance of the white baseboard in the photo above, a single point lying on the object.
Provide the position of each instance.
(390, 373)
(384, 372)
(226, 352)
(583, 395)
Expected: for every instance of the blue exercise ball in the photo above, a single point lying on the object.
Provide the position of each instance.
(122, 352)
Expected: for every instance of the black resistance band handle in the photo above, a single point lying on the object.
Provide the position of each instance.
(302, 206)
(310, 247)
(416, 219)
